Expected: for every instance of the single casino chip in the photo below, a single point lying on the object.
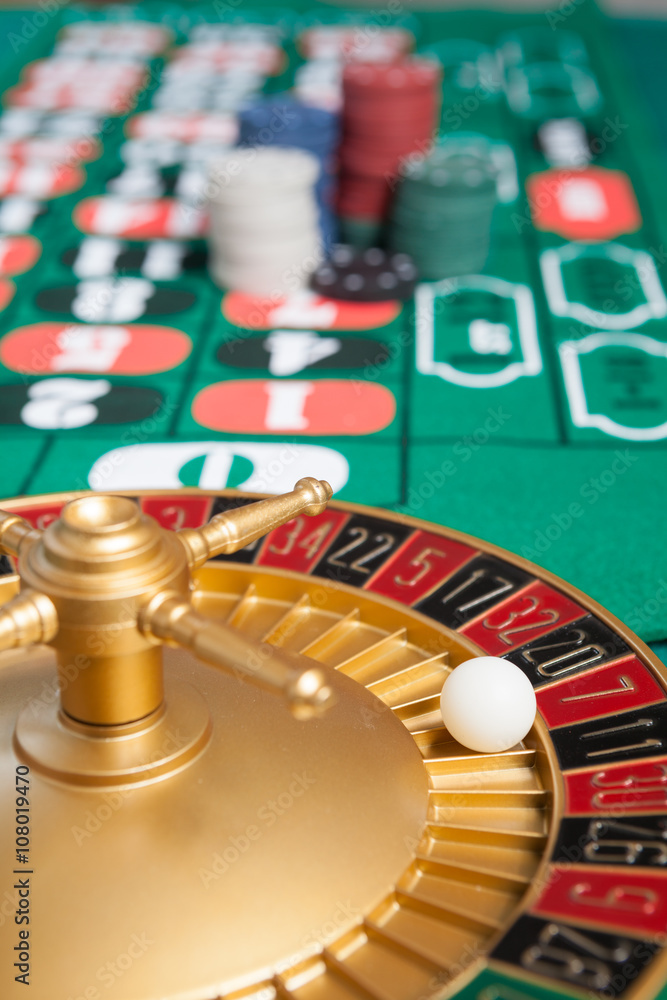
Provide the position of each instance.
(365, 119)
(369, 276)
(409, 75)
(244, 171)
(284, 117)
(261, 221)
(354, 42)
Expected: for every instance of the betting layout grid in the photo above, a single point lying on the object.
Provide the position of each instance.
(136, 262)
(130, 332)
(596, 924)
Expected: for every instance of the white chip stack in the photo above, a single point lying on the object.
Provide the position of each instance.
(264, 236)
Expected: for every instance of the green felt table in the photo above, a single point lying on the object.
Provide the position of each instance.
(553, 446)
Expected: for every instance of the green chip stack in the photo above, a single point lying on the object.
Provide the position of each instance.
(442, 212)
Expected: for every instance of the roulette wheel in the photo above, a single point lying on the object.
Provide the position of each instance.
(172, 830)
(225, 768)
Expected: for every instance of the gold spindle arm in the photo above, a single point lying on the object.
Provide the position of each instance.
(28, 618)
(304, 685)
(13, 530)
(230, 531)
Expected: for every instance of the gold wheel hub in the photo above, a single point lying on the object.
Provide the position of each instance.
(279, 834)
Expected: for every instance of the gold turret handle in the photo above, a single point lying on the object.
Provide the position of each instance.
(104, 585)
(232, 530)
(13, 532)
(28, 618)
(303, 685)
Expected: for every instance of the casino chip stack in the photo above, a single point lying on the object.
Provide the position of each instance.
(280, 120)
(390, 111)
(264, 237)
(367, 276)
(442, 211)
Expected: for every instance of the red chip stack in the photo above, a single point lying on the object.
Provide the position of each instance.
(390, 111)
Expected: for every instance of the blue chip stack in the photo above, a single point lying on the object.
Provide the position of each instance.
(280, 120)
